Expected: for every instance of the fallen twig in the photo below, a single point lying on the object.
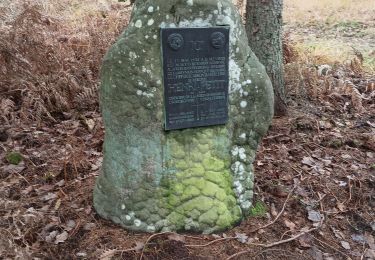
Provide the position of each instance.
(149, 239)
(273, 136)
(213, 241)
(136, 248)
(273, 244)
(278, 215)
(332, 247)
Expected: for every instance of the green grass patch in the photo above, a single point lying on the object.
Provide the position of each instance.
(14, 158)
(259, 209)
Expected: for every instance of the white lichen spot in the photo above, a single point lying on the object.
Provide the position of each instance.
(246, 82)
(150, 22)
(235, 151)
(114, 86)
(239, 187)
(128, 217)
(242, 153)
(243, 136)
(216, 11)
(137, 222)
(150, 9)
(238, 168)
(132, 55)
(146, 37)
(151, 228)
(237, 49)
(158, 82)
(119, 62)
(246, 204)
(190, 2)
(155, 36)
(243, 104)
(140, 83)
(138, 23)
(234, 76)
(141, 93)
(245, 93)
(123, 206)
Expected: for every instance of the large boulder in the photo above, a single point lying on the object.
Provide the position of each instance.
(197, 179)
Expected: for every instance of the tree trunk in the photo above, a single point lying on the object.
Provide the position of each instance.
(264, 28)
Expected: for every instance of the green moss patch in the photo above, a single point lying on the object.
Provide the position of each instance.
(14, 158)
(259, 209)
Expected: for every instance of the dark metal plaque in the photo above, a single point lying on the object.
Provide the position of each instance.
(195, 66)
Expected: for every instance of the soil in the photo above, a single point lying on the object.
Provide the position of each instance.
(327, 156)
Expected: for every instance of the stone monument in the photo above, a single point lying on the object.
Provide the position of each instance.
(185, 103)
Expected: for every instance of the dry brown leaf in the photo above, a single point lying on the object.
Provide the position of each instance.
(273, 210)
(139, 246)
(305, 241)
(176, 237)
(108, 254)
(58, 204)
(290, 224)
(61, 238)
(341, 206)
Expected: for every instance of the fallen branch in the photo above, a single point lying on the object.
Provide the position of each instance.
(273, 244)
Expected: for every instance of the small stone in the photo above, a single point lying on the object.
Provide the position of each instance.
(89, 226)
(314, 216)
(345, 245)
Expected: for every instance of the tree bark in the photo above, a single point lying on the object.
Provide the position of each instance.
(264, 28)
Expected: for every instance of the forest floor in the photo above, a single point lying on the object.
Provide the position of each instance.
(315, 170)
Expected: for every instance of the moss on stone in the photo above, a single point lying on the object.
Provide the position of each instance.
(225, 220)
(213, 164)
(209, 217)
(190, 192)
(210, 189)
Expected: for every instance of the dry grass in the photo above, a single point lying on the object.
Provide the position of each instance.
(333, 29)
(301, 12)
(50, 55)
(51, 51)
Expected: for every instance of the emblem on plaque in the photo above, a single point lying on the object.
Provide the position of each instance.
(175, 41)
(218, 40)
